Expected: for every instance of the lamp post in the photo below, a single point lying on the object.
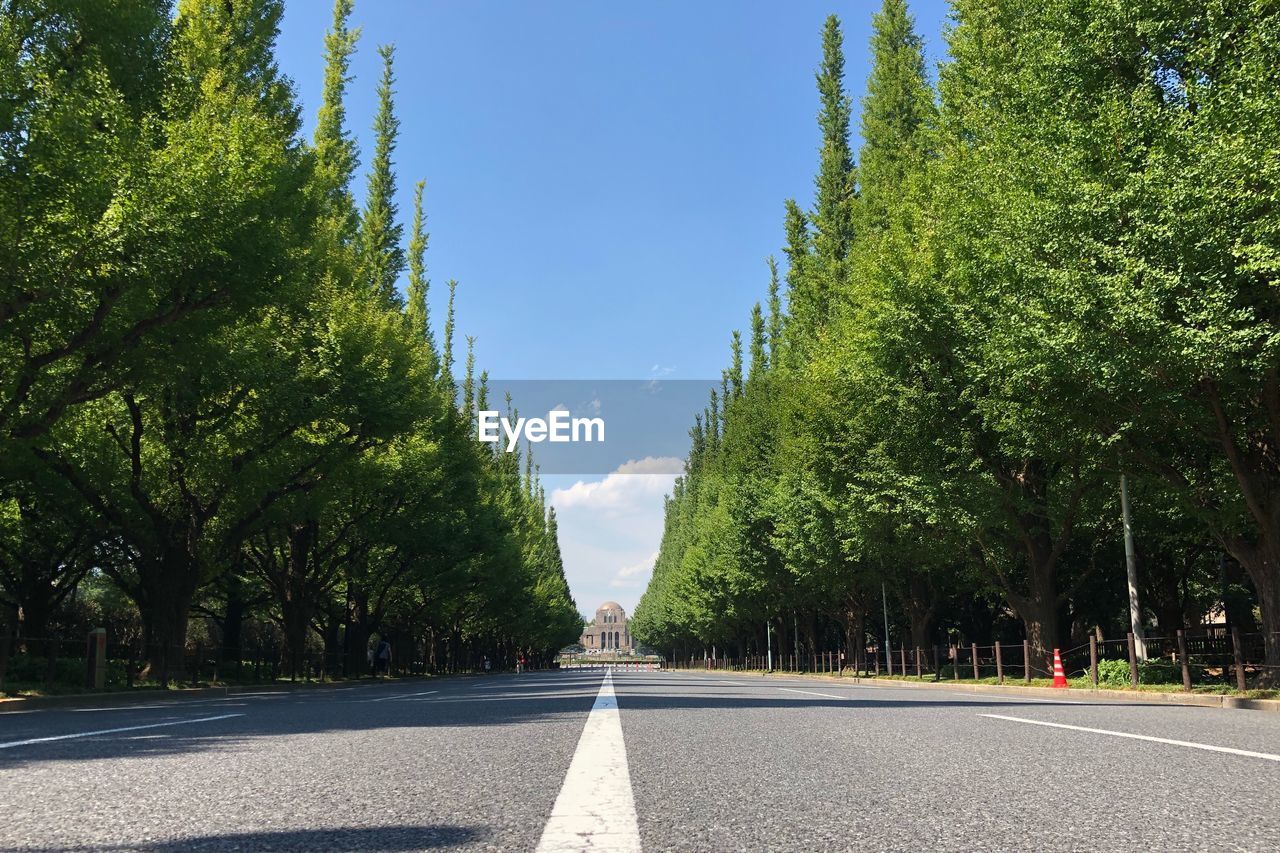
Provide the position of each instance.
(888, 659)
(1131, 570)
(768, 640)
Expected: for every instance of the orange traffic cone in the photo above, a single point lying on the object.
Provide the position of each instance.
(1059, 676)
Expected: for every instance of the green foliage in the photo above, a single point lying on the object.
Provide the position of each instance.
(1114, 673)
(213, 399)
(1053, 268)
(1161, 671)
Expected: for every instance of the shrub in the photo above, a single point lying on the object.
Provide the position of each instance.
(33, 669)
(1161, 671)
(1113, 673)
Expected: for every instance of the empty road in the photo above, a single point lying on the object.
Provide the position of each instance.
(638, 761)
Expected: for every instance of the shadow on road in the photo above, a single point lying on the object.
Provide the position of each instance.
(383, 838)
(519, 704)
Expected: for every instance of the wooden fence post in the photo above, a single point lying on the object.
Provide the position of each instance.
(4, 649)
(1026, 661)
(1093, 660)
(999, 664)
(902, 659)
(1133, 661)
(955, 662)
(917, 662)
(976, 674)
(1239, 657)
(1182, 658)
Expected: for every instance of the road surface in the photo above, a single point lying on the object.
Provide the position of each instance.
(639, 761)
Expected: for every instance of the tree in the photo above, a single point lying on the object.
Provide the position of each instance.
(382, 259)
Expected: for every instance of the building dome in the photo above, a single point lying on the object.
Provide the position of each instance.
(609, 631)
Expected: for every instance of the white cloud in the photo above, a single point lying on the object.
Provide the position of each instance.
(635, 575)
(639, 481)
(610, 529)
(645, 565)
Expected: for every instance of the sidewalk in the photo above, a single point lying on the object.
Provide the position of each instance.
(1204, 700)
(146, 696)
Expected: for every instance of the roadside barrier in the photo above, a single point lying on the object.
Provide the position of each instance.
(1208, 656)
(1059, 677)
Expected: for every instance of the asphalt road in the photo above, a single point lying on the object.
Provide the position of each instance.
(651, 761)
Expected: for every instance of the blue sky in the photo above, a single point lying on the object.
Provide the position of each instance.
(604, 180)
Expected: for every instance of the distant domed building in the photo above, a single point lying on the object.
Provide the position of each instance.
(609, 631)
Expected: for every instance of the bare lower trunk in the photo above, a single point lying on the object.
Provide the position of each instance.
(921, 605)
(1262, 562)
(357, 633)
(233, 624)
(1040, 618)
(165, 594)
(295, 603)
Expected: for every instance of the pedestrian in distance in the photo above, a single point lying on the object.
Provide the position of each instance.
(382, 658)
(487, 663)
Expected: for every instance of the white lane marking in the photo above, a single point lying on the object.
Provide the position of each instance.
(962, 696)
(595, 809)
(813, 693)
(978, 697)
(271, 695)
(401, 696)
(1266, 756)
(972, 697)
(120, 708)
(114, 731)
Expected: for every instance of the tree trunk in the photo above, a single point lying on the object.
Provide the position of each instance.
(233, 621)
(295, 598)
(1237, 603)
(165, 590)
(1040, 618)
(1262, 562)
(921, 604)
(37, 608)
(356, 639)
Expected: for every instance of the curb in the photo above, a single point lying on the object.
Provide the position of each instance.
(1199, 700)
(125, 698)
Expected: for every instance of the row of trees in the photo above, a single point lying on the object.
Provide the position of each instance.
(1056, 267)
(213, 396)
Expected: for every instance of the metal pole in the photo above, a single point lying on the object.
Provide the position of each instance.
(1131, 568)
(768, 638)
(884, 599)
(795, 641)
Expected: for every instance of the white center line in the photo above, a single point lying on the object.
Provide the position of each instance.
(401, 696)
(1266, 756)
(114, 731)
(595, 809)
(813, 693)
